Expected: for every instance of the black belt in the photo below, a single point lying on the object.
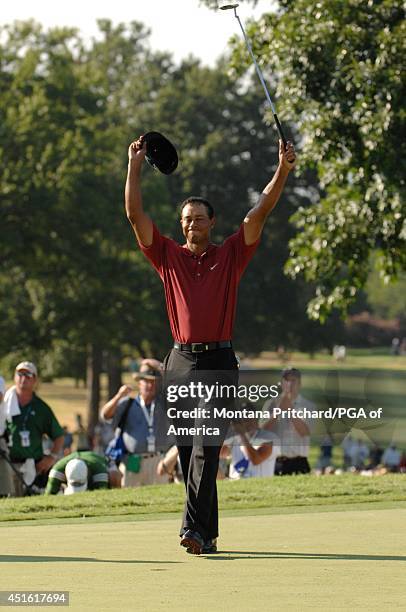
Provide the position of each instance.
(201, 347)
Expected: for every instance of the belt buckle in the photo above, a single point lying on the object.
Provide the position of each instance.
(198, 347)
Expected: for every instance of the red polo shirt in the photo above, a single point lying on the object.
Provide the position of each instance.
(200, 291)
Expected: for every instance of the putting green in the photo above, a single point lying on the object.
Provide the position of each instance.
(350, 560)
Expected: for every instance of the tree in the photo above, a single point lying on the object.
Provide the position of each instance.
(61, 181)
(386, 301)
(338, 68)
(82, 289)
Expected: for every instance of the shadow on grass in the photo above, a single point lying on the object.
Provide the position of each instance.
(46, 559)
(232, 555)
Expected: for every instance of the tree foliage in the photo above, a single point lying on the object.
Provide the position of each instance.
(338, 69)
(72, 281)
(386, 301)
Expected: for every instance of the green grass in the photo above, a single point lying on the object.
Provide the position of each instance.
(343, 560)
(250, 494)
(362, 358)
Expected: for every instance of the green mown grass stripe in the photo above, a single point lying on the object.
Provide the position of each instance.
(250, 494)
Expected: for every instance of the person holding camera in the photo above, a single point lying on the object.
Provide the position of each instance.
(143, 424)
(292, 431)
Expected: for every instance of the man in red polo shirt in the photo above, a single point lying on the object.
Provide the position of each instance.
(200, 281)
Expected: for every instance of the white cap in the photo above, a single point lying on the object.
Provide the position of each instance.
(28, 366)
(76, 476)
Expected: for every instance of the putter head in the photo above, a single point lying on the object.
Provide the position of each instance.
(227, 7)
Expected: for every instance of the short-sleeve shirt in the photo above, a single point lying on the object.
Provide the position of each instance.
(136, 428)
(97, 467)
(200, 291)
(37, 418)
(292, 444)
(238, 453)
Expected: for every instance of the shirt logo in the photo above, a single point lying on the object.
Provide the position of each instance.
(212, 267)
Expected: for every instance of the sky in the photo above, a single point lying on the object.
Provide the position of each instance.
(179, 26)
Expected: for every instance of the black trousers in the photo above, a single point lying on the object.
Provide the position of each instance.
(291, 465)
(199, 454)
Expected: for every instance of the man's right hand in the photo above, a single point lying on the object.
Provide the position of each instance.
(140, 221)
(124, 391)
(109, 409)
(137, 150)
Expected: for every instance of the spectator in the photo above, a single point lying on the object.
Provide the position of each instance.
(326, 453)
(67, 441)
(391, 458)
(292, 431)
(348, 445)
(2, 389)
(103, 433)
(253, 451)
(145, 428)
(395, 347)
(339, 352)
(402, 464)
(29, 419)
(80, 471)
(170, 465)
(375, 457)
(359, 454)
(80, 440)
(6, 486)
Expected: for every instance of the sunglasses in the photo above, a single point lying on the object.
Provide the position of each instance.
(26, 374)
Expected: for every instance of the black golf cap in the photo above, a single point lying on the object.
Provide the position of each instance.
(161, 153)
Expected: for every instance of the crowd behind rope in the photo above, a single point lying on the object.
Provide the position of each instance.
(130, 446)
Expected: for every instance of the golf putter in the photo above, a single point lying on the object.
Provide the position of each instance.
(227, 7)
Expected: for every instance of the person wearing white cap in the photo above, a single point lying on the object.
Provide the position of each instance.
(29, 419)
(81, 471)
(76, 476)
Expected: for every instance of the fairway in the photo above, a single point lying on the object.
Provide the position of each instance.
(337, 560)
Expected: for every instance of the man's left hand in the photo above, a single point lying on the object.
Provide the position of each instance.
(287, 158)
(45, 464)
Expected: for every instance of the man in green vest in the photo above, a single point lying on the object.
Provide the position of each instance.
(29, 419)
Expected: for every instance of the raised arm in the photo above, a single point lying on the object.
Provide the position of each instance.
(256, 455)
(109, 409)
(140, 221)
(256, 217)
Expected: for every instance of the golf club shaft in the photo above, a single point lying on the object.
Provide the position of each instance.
(261, 78)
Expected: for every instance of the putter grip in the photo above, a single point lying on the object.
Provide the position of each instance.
(280, 130)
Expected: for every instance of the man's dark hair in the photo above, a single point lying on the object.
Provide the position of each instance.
(291, 372)
(198, 200)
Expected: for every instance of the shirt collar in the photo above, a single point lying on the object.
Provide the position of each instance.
(189, 253)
